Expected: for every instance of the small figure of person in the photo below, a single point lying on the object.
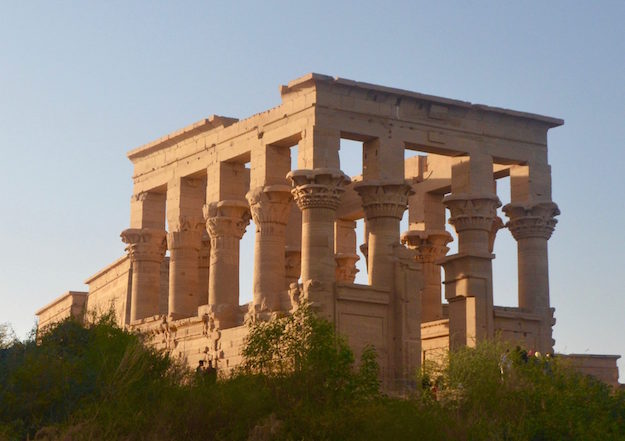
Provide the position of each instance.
(211, 372)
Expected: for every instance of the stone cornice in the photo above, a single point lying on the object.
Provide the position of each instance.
(313, 79)
(204, 125)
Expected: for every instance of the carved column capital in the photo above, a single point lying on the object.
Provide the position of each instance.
(531, 220)
(145, 244)
(318, 188)
(227, 218)
(383, 199)
(185, 232)
(293, 263)
(472, 212)
(429, 245)
(270, 206)
(346, 267)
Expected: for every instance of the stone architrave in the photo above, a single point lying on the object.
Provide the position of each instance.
(532, 224)
(146, 248)
(184, 241)
(226, 222)
(270, 208)
(429, 246)
(318, 193)
(469, 274)
(384, 204)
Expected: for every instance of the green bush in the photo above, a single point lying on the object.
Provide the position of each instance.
(299, 382)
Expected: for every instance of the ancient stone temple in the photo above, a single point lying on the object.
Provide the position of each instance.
(433, 159)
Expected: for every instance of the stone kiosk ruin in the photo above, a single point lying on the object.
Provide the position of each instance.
(195, 191)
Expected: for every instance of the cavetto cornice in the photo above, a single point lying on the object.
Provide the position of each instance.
(314, 79)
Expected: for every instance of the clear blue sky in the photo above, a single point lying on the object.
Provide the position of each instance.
(81, 83)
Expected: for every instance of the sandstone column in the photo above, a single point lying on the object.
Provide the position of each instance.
(270, 203)
(532, 222)
(293, 249)
(345, 250)
(270, 207)
(384, 205)
(318, 194)
(204, 267)
(428, 238)
(146, 247)
(430, 246)
(226, 222)
(468, 274)
(185, 198)
(184, 241)
(227, 215)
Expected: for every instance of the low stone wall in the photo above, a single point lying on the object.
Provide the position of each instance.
(70, 304)
(603, 367)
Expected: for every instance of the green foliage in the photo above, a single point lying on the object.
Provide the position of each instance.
(73, 370)
(7, 336)
(303, 357)
(496, 392)
(299, 382)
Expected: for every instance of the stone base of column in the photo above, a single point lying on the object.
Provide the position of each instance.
(225, 316)
(320, 296)
(468, 289)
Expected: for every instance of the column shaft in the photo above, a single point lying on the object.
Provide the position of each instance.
(533, 273)
(318, 193)
(204, 268)
(384, 205)
(184, 296)
(146, 247)
(226, 222)
(318, 244)
(531, 225)
(383, 236)
(270, 208)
